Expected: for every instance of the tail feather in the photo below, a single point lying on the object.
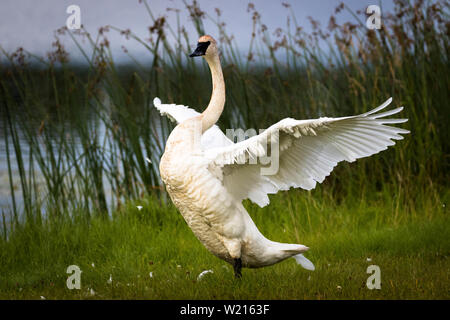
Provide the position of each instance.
(305, 263)
(292, 248)
(296, 251)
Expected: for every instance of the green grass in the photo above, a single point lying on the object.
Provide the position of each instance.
(413, 256)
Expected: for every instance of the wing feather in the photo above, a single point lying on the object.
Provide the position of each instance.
(308, 151)
(212, 138)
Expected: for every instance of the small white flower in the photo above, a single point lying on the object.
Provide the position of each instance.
(139, 207)
(369, 259)
(42, 298)
(91, 292)
(178, 266)
(151, 274)
(339, 287)
(203, 273)
(329, 264)
(110, 279)
(93, 265)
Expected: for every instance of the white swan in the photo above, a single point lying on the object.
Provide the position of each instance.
(207, 175)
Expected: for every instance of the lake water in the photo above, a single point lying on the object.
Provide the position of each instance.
(6, 203)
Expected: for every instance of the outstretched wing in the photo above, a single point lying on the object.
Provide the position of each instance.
(308, 150)
(212, 138)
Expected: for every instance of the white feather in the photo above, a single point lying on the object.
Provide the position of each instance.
(310, 157)
(304, 262)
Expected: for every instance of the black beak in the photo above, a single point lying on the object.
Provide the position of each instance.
(200, 50)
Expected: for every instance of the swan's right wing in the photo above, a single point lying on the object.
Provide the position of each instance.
(212, 138)
(176, 113)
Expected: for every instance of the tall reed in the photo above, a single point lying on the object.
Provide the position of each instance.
(79, 137)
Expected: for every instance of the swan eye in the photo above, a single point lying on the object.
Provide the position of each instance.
(201, 49)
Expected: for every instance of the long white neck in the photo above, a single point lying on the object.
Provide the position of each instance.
(215, 107)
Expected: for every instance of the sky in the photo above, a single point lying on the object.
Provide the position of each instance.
(31, 24)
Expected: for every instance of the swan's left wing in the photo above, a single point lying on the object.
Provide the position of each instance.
(302, 152)
(212, 138)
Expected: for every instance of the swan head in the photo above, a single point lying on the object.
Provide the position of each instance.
(206, 46)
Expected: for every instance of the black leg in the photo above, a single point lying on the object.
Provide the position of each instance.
(237, 266)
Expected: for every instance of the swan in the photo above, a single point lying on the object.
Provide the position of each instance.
(207, 175)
